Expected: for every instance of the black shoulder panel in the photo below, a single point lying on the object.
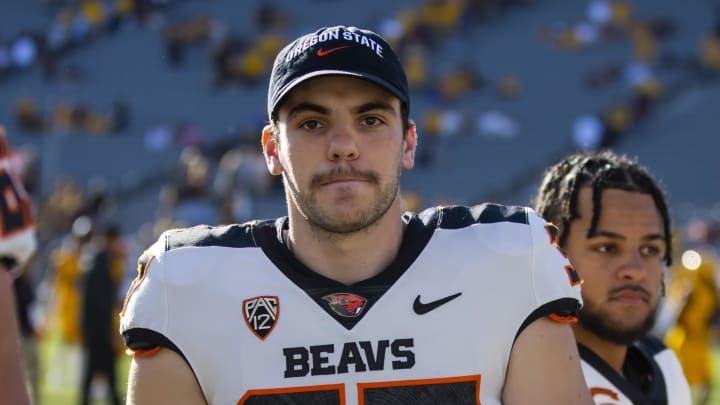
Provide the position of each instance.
(454, 217)
(235, 235)
(490, 213)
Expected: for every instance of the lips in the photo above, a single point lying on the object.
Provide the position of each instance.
(630, 295)
(341, 180)
(344, 176)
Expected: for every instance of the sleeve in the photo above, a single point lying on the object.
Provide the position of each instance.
(144, 317)
(556, 284)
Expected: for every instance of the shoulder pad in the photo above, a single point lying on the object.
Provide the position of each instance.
(458, 216)
(235, 235)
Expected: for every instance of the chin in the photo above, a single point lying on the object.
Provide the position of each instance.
(623, 328)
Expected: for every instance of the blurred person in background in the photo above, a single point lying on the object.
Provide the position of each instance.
(17, 245)
(695, 328)
(65, 304)
(614, 227)
(100, 279)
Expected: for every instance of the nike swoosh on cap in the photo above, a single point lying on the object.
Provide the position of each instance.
(322, 52)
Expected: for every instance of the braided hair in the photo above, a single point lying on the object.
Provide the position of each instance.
(557, 197)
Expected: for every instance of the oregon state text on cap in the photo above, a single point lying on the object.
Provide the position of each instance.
(338, 50)
(333, 34)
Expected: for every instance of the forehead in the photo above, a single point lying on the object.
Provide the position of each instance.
(320, 89)
(623, 212)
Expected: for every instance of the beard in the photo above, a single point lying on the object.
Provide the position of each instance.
(593, 318)
(343, 223)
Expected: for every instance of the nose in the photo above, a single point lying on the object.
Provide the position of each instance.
(633, 268)
(343, 144)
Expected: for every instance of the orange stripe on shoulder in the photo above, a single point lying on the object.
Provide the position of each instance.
(143, 352)
(563, 318)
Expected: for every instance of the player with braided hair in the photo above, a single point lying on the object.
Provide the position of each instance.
(614, 227)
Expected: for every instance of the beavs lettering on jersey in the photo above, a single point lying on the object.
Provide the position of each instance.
(338, 34)
(358, 357)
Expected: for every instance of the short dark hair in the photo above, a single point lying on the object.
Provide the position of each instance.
(557, 197)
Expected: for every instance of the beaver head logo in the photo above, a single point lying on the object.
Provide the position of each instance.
(346, 304)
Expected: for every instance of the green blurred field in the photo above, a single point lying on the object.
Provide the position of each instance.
(715, 393)
(50, 394)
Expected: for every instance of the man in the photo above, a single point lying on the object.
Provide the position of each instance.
(17, 245)
(345, 300)
(99, 306)
(615, 229)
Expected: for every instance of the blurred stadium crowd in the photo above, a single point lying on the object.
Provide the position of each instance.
(144, 115)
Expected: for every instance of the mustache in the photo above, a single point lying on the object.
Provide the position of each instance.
(344, 173)
(634, 288)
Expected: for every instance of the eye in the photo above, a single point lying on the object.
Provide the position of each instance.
(310, 125)
(372, 121)
(650, 250)
(605, 248)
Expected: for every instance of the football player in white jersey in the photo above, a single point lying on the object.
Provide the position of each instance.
(615, 230)
(17, 244)
(345, 300)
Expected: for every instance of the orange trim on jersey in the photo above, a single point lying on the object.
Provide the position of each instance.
(562, 318)
(144, 352)
(604, 391)
(405, 383)
(143, 265)
(340, 388)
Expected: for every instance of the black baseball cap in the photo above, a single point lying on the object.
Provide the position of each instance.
(339, 50)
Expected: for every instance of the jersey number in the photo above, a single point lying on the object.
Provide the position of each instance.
(554, 235)
(456, 390)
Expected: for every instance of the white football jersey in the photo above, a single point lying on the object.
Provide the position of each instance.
(665, 382)
(436, 327)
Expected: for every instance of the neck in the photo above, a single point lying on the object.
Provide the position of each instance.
(347, 258)
(612, 353)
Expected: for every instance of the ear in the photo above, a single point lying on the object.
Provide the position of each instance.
(409, 146)
(270, 151)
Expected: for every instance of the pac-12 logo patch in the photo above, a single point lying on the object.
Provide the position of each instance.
(346, 304)
(261, 314)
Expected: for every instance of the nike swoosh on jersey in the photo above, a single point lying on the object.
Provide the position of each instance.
(323, 52)
(423, 308)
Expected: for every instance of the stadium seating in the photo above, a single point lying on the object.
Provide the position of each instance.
(131, 64)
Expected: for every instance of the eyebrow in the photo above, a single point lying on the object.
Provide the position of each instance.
(363, 108)
(615, 235)
(374, 105)
(307, 106)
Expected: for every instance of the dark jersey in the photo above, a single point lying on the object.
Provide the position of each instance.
(651, 375)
